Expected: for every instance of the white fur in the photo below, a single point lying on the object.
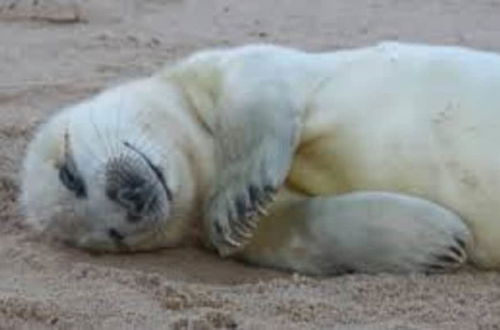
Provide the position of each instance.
(359, 232)
(413, 119)
(97, 128)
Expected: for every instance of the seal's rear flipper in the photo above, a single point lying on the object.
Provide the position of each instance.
(368, 232)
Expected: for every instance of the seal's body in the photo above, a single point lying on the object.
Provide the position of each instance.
(411, 119)
(218, 135)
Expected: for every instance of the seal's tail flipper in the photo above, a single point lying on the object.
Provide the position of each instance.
(367, 232)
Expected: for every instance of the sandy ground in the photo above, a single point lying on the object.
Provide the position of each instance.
(49, 59)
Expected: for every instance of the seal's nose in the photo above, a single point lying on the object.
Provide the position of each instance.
(133, 198)
(131, 188)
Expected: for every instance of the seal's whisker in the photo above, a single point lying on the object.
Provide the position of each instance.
(151, 197)
(148, 148)
(117, 126)
(94, 155)
(107, 132)
(141, 141)
(116, 140)
(98, 132)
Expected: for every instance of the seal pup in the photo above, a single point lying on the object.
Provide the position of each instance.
(230, 129)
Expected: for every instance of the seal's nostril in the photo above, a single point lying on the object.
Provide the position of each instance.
(115, 235)
(133, 218)
(134, 199)
(135, 187)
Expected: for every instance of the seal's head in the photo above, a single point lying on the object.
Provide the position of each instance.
(96, 178)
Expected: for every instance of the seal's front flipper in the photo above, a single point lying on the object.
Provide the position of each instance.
(245, 102)
(369, 232)
(255, 136)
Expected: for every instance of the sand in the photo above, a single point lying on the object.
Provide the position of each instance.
(52, 56)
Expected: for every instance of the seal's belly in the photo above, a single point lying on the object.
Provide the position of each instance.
(432, 132)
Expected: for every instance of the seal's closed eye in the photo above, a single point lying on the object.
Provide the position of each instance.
(71, 180)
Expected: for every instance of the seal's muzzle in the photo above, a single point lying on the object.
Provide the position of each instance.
(134, 183)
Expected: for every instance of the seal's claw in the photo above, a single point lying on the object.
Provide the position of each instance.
(233, 222)
(254, 142)
(433, 268)
(451, 258)
(447, 259)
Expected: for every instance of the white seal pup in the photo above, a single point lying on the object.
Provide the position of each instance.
(217, 135)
